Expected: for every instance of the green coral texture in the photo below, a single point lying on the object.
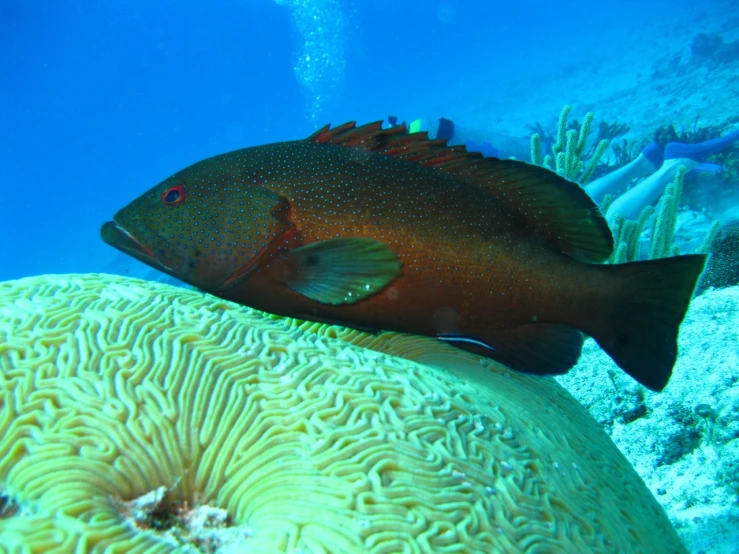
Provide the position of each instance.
(312, 438)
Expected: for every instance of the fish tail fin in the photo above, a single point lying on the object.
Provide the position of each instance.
(639, 330)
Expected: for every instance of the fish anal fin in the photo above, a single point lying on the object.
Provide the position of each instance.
(539, 348)
(558, 209)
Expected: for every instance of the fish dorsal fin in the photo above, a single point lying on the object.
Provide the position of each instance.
(394, 142)
(559, 209)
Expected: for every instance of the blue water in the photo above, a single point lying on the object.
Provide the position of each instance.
(101, 100)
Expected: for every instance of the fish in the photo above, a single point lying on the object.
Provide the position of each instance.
(381, 229)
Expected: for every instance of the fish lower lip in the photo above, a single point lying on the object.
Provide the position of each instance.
(118, 237)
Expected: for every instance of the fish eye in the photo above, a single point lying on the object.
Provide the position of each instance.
(173, 195)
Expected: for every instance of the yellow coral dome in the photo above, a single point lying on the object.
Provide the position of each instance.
(140, 417)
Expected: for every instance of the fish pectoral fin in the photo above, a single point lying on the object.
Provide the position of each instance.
(341, 270)
(540, 348)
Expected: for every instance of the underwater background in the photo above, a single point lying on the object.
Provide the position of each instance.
(101, 100)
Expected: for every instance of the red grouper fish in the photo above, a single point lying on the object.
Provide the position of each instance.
(379, 229)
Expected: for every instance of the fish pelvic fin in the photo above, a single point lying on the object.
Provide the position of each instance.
(640, 327)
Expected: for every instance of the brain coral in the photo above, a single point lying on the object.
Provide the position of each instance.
(140, 417)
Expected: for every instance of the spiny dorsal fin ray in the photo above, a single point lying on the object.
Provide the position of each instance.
(559, 209)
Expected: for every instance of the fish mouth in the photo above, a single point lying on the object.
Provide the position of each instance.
(120, 238)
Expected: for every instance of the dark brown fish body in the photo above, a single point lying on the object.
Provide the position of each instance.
(467, 260)
(484, 253)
